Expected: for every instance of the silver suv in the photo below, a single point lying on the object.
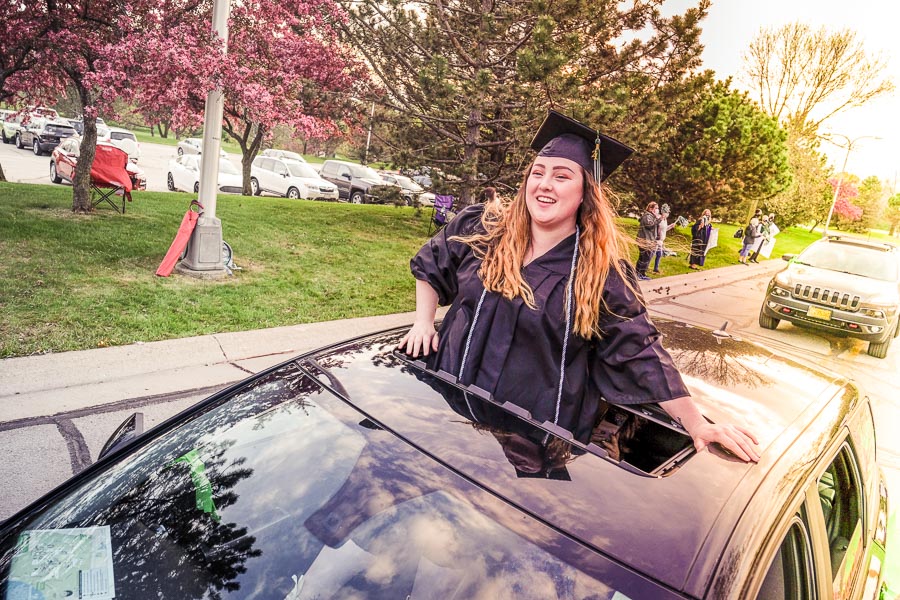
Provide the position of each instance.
(839, 284)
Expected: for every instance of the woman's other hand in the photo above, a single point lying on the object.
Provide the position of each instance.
(737, 440)
(733, 438)
(421, 336)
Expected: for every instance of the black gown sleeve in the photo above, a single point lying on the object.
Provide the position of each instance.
(437, 262)
(629, 364)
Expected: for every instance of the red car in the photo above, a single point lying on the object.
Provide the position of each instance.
(65, 157)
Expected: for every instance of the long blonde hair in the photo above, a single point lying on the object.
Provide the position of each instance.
(602, 246)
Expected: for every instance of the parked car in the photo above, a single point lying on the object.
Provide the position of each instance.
(411, 191)
(357, 183)
(841, 285)
(43, 137)
(64, 158)
(10, 126)
(194, 146)
(127, 141)
(184, 174)
(274, 153)
(103, 133)
(354, 472)
(289, 178)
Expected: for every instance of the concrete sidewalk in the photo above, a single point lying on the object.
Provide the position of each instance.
(50, 384)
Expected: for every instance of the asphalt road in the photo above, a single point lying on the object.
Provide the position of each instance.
(23, 166)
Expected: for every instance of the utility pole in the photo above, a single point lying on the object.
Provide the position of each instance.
(204, 251)
(837, 188)
(369, 137)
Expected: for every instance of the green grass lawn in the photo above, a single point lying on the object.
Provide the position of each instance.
(72, 282)
(726, 251)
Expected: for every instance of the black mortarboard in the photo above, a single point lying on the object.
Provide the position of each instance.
(562, 137)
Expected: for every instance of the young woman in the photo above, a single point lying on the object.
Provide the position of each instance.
(545, 310)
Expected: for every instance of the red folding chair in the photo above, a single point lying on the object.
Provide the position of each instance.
(110, 179)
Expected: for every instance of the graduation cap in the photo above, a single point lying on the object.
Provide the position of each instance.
(562, 137)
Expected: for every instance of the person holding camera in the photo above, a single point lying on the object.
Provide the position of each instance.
(648, 233)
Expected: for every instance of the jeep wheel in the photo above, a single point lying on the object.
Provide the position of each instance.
(54, 177)
(6, 140)
(767, 322)
(170, 182)
(19, 141)
(879, 350)
(356, 197)
(37, 148)
(293, 193)
(897, 328)
(254, 187)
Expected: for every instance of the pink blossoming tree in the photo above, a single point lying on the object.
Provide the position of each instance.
(283, 66)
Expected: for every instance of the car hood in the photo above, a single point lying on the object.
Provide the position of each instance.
(657, 525)
(864, 287)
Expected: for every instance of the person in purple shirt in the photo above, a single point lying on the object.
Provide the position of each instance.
(545, 310)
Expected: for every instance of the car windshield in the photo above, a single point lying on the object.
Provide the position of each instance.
(122, 135)
(298, 169)
(364, 172)
(407, 183)
(284, 491)
(226, 166)
(853, 259)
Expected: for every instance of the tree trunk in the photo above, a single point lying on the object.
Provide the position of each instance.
(814, 225)
(81, 187)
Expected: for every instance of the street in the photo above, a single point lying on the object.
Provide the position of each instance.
(58, 411)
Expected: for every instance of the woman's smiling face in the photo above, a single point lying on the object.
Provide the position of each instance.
(554, 192)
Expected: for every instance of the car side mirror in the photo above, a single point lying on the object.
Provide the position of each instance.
(127, 432)
(788, 257)
(347, 176)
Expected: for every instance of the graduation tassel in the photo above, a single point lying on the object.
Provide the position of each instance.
(598, 165)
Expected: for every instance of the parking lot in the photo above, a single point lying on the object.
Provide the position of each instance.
(22, 166)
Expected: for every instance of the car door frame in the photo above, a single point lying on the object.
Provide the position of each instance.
(815, 523)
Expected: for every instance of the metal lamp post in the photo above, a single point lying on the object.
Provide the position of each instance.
(837, 188)
(204, 251)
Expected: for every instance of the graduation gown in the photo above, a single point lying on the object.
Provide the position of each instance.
(515, 350)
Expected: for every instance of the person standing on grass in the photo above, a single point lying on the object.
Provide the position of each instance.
(648, 232)
(700, 232)
(764, 237)
(545, 309)
(662, 229)
(751, 235)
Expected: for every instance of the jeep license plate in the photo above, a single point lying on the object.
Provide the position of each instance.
(819, 313)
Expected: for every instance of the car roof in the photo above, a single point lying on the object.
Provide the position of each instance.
(855, 241)
(666, 525)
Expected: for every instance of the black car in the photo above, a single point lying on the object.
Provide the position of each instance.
(354, 472)
(841, 285)
(43, 137)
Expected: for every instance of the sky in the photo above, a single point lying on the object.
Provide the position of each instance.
(731, 26)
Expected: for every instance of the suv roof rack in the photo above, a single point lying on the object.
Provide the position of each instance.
(875, 244)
